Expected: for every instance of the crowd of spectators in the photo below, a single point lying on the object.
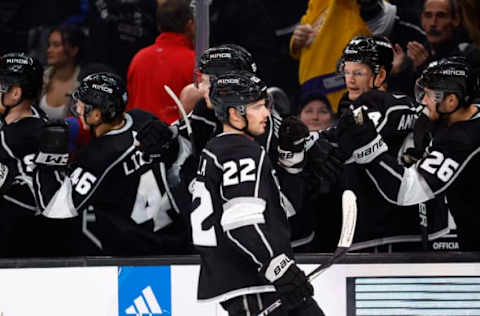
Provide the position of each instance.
(296, 47)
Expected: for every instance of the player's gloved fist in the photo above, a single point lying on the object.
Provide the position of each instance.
(421, 138)
(357, 136)
(53, 146)
(155, 138)
(411, 156)
(292, 136)
(325, 163)
(290, 282)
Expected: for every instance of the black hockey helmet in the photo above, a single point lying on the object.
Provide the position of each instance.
(225, 58)
(22, 70)
(374, 51)
(446, 76)
(105, 91)
(236, 89)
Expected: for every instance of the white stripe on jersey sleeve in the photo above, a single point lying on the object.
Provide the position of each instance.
(244, 249)
(413, 188)
(259, 173)
(61, 205)
(242, 211)
(389, 111)
(204, 120)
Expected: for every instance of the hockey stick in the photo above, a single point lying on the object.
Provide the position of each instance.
(184, 116)
(349, 219)
(181, 108)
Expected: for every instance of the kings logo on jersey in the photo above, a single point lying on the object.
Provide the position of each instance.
(144, 291)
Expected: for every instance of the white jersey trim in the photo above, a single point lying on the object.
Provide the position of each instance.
(15, 201)
(242, 211)
(389, 111)
(215, 159)
(204, 120)
(248, 252)
(413, 188)
(303, 241)
(259, 173)
(61, 205)
(128, 125)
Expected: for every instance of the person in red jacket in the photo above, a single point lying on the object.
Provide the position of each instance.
(169, 61)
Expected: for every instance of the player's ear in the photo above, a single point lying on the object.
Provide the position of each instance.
(235, 117)
(380, 78)
(452, 100)
(95, 115)
(16, 92)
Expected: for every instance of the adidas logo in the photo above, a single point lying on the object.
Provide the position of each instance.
(145, 304)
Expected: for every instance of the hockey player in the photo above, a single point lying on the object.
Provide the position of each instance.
(451, 162)
(122, 194)
(366, 63)
(205, 125)
(21, 78)
(214, 62)
(239, 225)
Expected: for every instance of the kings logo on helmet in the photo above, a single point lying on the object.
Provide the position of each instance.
(102, 88)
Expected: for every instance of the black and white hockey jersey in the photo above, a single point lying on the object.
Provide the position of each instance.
(124, 199)
(19, 227)
(238, 221)
(451, 166)
(19, 144)
(205, 126)
(380, 222)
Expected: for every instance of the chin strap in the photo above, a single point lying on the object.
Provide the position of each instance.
(244, 129)
(460, 104)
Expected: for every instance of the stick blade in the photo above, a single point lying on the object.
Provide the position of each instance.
(349, 218)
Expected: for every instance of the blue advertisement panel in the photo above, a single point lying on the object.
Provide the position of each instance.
(144, 291)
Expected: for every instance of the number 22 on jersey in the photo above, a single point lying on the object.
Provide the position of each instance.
(233, 174)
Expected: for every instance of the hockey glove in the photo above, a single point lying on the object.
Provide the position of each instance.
(291, 144)
(421, 138)
(53, 146)
(324, 163)
(155, 138)
(357, 135)
(290, 282)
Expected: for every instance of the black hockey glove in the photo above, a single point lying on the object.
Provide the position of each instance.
(325, 164)
(292, 136)
(53, 146)
(358, 137)
(290, 282)
(155, 138)
(422, 135)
